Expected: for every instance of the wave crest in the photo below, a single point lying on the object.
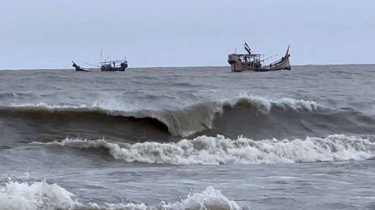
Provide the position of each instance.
(265, 104)
(180, 122)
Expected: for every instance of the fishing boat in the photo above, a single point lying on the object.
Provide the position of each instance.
(116, 65)
(253, 62)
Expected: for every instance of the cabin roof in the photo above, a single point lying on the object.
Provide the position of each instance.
(251, 55)
(114, 61)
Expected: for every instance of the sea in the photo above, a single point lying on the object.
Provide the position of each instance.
(188, 138)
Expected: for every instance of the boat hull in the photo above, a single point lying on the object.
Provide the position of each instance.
(242, 66)
(284, 64)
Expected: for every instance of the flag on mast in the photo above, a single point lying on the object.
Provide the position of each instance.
(247, 48)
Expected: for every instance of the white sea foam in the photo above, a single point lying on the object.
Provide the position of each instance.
(44, 196)
(221, 150)
(35, 196)
(209, 199)
(48, 107)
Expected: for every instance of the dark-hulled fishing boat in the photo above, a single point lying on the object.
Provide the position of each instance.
(253, 62)
(117, 65)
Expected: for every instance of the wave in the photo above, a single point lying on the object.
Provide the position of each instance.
(44, 196)
(35, 196)
(210, 199)
(266, 105)
(179, 122)
(221, 150)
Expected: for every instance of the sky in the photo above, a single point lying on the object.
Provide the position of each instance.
(40, 34)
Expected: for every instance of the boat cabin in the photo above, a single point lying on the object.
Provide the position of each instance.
(248, 61)
(117, 65)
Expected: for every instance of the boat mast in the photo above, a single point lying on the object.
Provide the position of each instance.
(101, 57)
(287, 52)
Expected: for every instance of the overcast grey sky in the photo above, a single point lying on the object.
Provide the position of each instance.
(51, 33)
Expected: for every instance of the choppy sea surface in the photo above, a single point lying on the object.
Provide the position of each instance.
(188, 138)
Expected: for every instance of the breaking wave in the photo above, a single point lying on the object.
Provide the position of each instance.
(221, 150)
(179, 122)
(210, 199)
(44, 196)
(35, 196)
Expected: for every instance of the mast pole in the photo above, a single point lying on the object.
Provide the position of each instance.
(101, 57)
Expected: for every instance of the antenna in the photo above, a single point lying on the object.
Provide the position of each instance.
(101, 56)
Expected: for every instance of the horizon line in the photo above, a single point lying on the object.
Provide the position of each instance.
(192, 66)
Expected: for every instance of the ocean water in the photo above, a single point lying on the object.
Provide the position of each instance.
(188, 138)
